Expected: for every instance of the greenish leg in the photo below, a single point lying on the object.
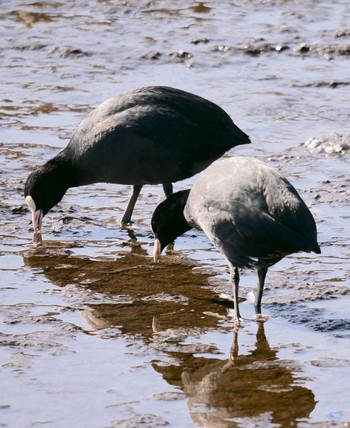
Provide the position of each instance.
(131, 204)
(168, 189)
(262, 271)
(235, 295)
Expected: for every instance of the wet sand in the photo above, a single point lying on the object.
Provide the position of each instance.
(92, 332)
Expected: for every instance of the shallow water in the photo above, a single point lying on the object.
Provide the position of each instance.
(95, 334)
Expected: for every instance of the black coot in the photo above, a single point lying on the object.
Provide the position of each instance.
(250, 212)
(151, 135)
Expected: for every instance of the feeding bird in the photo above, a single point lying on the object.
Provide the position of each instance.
(151, 135)
(252, 214)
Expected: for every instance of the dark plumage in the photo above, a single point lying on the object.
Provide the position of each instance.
(152, 135)
(250, 212)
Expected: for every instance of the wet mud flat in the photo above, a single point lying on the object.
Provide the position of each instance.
(92, 332)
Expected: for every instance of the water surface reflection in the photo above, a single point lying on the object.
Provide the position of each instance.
(254, 387)
(131, 292)
(165, 305)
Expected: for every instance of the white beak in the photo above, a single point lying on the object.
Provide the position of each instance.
(37, 215)
(37, 218)
(156, 250)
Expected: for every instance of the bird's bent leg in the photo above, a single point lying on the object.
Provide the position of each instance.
(136, 189)
(235, 277)
(262, 270)
(168, 189)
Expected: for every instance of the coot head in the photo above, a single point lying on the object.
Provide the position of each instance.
(44, 188)
(168, 221)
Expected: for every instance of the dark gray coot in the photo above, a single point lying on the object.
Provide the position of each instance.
(151, 135)
(253, 215)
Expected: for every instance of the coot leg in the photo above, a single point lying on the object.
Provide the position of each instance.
(262, 270)
(136, 189)
(168, 189)
(235, 295)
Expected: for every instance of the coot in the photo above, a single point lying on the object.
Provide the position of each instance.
(151, 135)
(253, 215)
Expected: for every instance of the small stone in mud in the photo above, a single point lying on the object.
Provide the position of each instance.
(5, 406)
(330, 50)
(31, 47)
(198, 41)
(71, 209)
(335, 84)
(169, 396)
(180, 56)
(151, 55)
(19, 210)
(255, 49)
(333, 143)
(151, 40)
(342, 33)
(303, 48)
(323, 83)
(68, 51)
(252, 50)
(223, 48)
(281, 48)
(146, 420)
(201, 8)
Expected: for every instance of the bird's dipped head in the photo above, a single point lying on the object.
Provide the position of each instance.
(168, 221)
(44, 188)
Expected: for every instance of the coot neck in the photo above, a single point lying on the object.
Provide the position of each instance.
(65, 171)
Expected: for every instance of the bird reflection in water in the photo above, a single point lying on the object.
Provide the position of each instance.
(252, 388)
(164, 304)
(128, 290)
